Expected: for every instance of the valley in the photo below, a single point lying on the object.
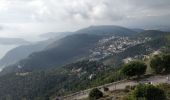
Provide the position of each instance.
(84, 50)
(85, 59)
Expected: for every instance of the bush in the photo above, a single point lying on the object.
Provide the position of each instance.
(127, 88)
(106, 89)
(161, 63)
(166, 88)
(135, 68)
(156, 64)
(95, 94)
(166, 62)
(148, 92)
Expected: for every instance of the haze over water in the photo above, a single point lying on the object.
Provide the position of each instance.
(5, 48)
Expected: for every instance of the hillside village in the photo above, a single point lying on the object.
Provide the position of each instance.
(114, 45)
(84, 50)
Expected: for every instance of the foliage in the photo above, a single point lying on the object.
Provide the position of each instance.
(108, 76)
(41, 85)
(166, 62)
(134, 68)
(106, 89)
(95, 94)
(166, 88)
(156, 64)
(161, 63)
(148, 92)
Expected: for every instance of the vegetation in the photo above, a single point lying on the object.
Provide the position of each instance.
(40, 85)
(68, 49)
(53, 82)
(43, 85)
(134, 68)
(161, 63)
(148, 92)
(140, 92)
(166, 62)
(95, 94)
(156, 64)
(32, 84)
(166, 88)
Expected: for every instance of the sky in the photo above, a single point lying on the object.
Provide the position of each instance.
(29, 18)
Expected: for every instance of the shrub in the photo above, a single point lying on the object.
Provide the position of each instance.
(148, 92)
(156, 64)
(166, 62)
(95, 94)
(135, 68)
(106, 89)
(166, 88)
(160, 63)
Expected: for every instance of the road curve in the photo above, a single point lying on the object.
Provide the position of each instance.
(116, 86)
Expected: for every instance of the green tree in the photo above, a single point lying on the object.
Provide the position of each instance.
(148, 92)
(95, 94)
(135, 68)
(46, 97)
(166, 88)
(161, 63)
(156, 64)
(166, 62)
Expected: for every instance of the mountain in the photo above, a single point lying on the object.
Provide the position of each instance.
(107, 29)
(161, 28)
(22, 52)
(12, 41)
(47, 74)
(56, 35)
(25, 50)
(59, 81)
(138, 30)
(152, 33)
(70, 48)
(40, 85)
(159, 40)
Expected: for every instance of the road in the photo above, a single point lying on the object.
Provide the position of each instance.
(118, 85)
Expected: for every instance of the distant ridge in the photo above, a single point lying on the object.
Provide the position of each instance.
(105, 29)
(71, 47)
(12, 41)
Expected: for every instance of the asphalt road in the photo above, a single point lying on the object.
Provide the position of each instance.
(155, 80)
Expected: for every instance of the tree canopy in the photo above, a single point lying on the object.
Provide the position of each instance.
(156, 64)
(135, 68)
(166, 62)
(148, 92)
(160, 63)
(95, 94)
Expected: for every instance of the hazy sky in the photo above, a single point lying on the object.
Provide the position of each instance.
(26, 18)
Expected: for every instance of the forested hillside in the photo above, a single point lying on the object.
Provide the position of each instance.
(77, 62)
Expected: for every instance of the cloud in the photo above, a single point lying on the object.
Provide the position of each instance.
(79, 10)
(62, 15)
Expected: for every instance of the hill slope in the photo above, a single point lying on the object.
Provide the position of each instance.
(107, 29)
(42, 84)
(22, 52)
(39, 85)
(69, 48)
(66, 50)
